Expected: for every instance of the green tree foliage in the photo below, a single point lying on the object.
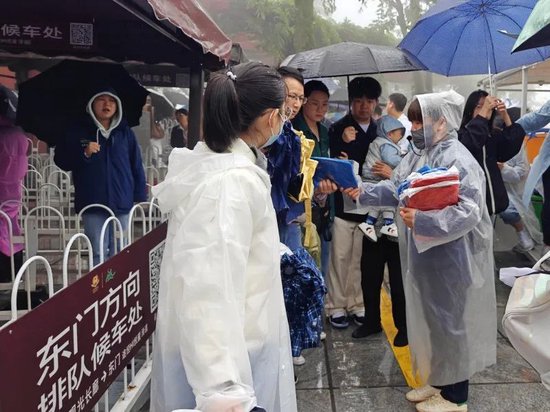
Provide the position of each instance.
(377, 34)
(284, 27)
(399, 15)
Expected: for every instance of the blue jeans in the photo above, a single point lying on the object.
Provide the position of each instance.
(510, 216)
(93, 222)
(291, 235)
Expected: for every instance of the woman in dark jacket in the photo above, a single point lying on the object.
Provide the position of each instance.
(103, 155)
(489, 145)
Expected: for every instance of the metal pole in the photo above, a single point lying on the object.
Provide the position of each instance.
(196, 84)
(524, 85)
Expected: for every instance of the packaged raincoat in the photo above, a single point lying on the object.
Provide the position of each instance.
(514, 173)
(447, 260)
(222, 337)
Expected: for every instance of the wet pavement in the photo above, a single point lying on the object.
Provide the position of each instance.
(350, 375)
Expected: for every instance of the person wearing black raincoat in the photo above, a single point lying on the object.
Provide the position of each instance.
(490, 146)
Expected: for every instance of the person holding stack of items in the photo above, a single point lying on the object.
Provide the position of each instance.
(446, 254)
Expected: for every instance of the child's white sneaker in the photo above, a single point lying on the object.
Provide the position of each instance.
(369, 231)
(389, 230)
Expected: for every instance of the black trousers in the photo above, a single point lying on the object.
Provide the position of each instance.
(5, 265)
(374, 258)
(456, 393)
(545, 215)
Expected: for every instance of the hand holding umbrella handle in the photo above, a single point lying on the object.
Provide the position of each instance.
(92, 148)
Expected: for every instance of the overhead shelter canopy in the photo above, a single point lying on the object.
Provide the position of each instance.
(537, 74)
(141, 31)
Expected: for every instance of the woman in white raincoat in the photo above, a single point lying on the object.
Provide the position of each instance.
(222, 342)
(514, 173)
(447, 260)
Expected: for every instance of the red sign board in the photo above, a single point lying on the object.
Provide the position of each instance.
(63, 355)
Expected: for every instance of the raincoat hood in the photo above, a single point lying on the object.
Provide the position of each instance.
(388, 124)
(115, 121)
(441, 115)
(189, 168)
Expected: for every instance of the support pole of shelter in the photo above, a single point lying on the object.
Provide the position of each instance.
(196, 84)
(524, 84)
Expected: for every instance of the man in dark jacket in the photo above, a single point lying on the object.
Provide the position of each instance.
(490, 146)
(349, 139)
(178, 135)
(102, 153)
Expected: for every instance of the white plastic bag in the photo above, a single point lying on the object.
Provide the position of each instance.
(526, 320)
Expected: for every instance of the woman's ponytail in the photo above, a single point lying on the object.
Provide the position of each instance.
(235, 98)
(221, 111)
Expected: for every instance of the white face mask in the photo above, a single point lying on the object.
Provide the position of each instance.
(274, 136)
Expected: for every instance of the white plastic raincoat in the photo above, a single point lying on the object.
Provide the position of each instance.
(222, 342)
(447, 261)
(514, 173)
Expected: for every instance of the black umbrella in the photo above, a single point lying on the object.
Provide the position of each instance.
(348, 59)
(163, 107)
(177, 96)
(12, 101)
(51, 101)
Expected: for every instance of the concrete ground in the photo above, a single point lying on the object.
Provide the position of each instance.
(349, 375)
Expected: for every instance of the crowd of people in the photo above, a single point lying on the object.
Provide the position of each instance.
(240, 193)
(259, 252)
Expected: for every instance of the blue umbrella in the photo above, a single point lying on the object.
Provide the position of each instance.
(462, 37)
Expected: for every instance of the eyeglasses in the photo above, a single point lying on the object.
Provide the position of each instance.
(295, 97)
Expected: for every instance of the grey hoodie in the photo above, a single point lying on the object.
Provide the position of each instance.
(115, 121)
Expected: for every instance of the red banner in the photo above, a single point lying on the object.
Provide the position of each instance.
(63, 355)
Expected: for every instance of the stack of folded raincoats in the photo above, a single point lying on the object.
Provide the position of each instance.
(430, 189)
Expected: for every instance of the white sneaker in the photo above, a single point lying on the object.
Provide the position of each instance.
(369, 231)
(389, 230)
(298, 360)
(323, 336)
(438, 404)
(421, 394)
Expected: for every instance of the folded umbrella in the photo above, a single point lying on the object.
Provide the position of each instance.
(50, 102)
